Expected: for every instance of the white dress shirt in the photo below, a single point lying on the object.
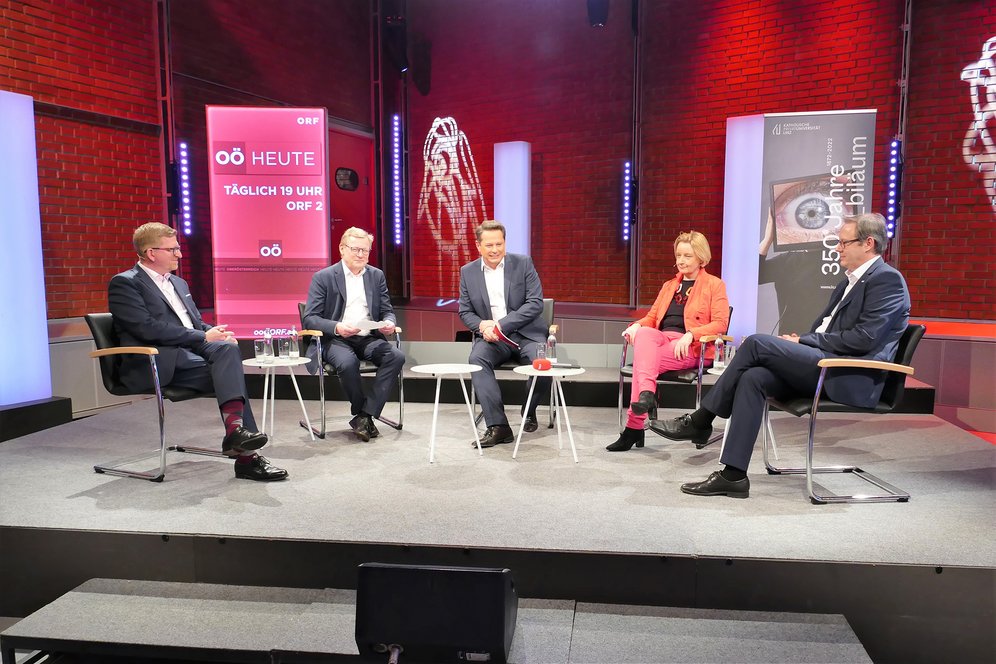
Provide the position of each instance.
(172, 297)
(852, 278)
(356, 300)
(494, 280)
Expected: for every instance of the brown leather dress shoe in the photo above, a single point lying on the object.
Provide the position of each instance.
(260, 470)
(496, 435)
(359, 426)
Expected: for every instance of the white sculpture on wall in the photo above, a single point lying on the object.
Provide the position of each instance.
(451, 201)
(979, 148)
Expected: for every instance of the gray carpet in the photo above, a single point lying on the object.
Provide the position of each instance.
(156, 614)
(386, 491)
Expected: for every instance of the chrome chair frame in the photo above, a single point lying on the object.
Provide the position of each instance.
(686, 376)
(366, 369)
(891, 396)
(102, 328)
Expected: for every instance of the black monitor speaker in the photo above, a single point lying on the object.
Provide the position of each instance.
(435, 614)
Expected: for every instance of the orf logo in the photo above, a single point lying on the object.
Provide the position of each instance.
(229, 158)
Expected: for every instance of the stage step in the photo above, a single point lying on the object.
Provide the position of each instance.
(105, 619)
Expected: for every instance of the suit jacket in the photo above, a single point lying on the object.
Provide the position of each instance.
(523, 299)
(143, 317)
(868, 325)
(707, 310)
(327, 302)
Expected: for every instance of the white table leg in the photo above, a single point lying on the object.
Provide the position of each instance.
(567, 419)
(273, 399)
(266, 392)
(470, 411)
(529, 400)
(435, 414)
(555, 398)
(301, 401)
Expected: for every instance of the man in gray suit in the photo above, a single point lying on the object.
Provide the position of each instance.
(343, 300)
(501, 301)
(152, 307)
(867, 314)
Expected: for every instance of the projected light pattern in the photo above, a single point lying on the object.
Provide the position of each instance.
(396, 178)
(627, 195)
(184, 172)
(451, 201)
(892, 209)
(979, 148)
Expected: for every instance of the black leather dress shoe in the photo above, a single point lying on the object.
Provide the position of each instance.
(359, 426)
(242, 440)
(259, 469)
(372, 428)
(530, 425)
(717, 485)
(646, 403)
(496, 435)
(681, 428)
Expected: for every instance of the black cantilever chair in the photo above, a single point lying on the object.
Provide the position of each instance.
(892, 395)
(366, 369)
(108, 353)
(686, 376)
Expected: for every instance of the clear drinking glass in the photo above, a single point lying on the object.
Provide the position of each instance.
(284, 346)
(258, 346)
(731, 351)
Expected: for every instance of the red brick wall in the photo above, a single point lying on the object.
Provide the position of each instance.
(949, 224)
(508, 70)
(96, 183)
(706, 61)
(231, 52)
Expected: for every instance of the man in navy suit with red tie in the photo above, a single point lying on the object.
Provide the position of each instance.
(867, 314)
(152, 307)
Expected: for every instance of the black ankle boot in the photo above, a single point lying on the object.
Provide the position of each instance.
(627, 439)
(646, 403)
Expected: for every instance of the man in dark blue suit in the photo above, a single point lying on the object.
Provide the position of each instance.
(152, 307)
(342, 302)
(501, 296)
(865, 318)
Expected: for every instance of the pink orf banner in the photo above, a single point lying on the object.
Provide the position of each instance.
(268, 170)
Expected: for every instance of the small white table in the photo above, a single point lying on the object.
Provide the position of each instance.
(270, 386)
(439, 371)
(557, 400)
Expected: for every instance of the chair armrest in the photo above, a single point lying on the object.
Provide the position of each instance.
(310, 333)
(125, 350)
(397, 330)
(853, 363)
(709, 338)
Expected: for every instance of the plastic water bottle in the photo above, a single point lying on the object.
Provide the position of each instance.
(551, 348)
(720, 360)
(295, 343)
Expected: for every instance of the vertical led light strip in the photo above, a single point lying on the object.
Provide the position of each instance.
(627, 195)
(893, 209)
(184, 207)
(396, 176)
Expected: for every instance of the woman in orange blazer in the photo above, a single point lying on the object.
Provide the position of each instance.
(689, 306)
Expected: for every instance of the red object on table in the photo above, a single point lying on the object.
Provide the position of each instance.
(542, 364)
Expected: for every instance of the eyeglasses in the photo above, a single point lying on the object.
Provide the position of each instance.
(358, 251)
(844, 243)
(173, 250)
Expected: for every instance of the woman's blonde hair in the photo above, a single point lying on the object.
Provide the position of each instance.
(699, 243)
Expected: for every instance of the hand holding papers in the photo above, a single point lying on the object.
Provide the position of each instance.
(501, 337)
(370, 324)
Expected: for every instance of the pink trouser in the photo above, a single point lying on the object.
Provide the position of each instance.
(653, 353)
